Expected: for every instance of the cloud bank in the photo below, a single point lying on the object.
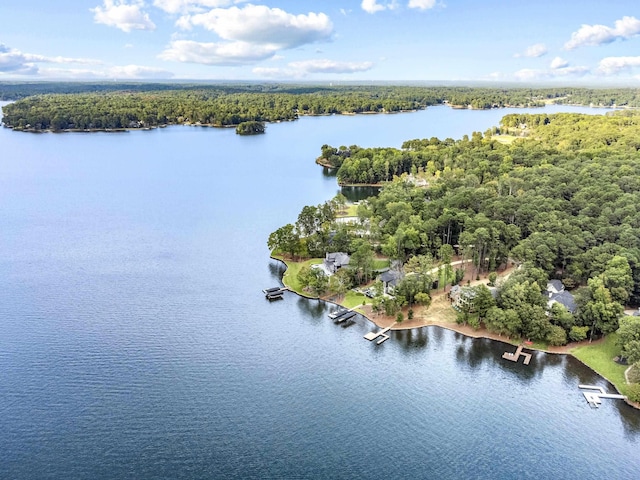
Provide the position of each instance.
(123, 15)
(593, 35)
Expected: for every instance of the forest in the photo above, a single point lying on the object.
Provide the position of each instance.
(559, 201)
(101, 106)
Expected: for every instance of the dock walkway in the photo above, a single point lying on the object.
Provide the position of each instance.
(514, 357)
(371, 336)
(593, 398)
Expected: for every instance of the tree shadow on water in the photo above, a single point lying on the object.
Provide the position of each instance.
(411, 340)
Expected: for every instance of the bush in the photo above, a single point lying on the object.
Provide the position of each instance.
(634, 373)
(493, 276)
(410, 314)
(399, 317)
(474, 322)
(577, 334)
(633, 392)
(557, 336)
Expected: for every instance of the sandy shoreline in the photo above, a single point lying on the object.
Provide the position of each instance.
(440, 303)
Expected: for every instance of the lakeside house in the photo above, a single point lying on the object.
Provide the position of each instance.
(557, 294)
(462, 296)
(335, 261)
(390, 280)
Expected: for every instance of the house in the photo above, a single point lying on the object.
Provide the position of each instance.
(335, 261)
(557, 294)
(390, 280)
(555, 286)
(461, 296)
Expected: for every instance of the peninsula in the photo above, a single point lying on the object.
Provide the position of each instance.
(545, 223)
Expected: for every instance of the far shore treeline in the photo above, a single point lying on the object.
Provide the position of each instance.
(100, 106)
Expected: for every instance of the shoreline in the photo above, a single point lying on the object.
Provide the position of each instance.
(466, 330)
(298, 115)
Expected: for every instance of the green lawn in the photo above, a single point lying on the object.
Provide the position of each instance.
(290, 278)
(380, 263)
(353, 299)
(600, 358)
(350, 210)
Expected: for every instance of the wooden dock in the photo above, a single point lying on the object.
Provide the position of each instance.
(382, 335)
(334, 315)
(514, 357)
(345, 316)
(594, 398)
(274, 293)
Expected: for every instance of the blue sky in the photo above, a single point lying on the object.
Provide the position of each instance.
(559, 42)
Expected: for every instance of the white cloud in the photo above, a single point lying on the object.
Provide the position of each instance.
(592, 35)
(528, 74)
(616, 65)
(133, 72)
(13, 61)
(558, 63)
(534, 51)
(372, 6)
(562, 69)
(183, 6)
(260, 25)
(422, 4)
(330, 66)
(303, 68)
(223, 54)
(123, 15)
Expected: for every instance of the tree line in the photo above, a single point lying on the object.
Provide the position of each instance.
(87, 106)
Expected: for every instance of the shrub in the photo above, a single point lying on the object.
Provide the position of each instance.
(399, 317)
(633, 392)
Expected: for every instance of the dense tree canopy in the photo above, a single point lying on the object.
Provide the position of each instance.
(82, 106)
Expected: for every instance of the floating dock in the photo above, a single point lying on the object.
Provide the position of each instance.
(274, 293)
(594, 398)
(514, 357)
(334, 315)
(382, 334)
(345, 316)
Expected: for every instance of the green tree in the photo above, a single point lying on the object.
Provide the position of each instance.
(601, 312)
(285, 239)
(629, 338)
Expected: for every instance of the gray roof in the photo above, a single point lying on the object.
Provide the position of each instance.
(566, 299)
(556, 284)
(339, 259)
(390, 276)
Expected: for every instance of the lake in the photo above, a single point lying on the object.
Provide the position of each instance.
(135, 341)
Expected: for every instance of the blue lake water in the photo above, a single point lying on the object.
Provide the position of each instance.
(135, 341)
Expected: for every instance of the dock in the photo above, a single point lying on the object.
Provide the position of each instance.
(594, 398)
(345, 316)
(274, 293)
(382, 335)
(514, 357)
(340, 312)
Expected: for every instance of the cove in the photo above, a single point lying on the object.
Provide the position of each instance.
(135, 341)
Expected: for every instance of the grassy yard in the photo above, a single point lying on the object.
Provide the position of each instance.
(380, 263)
(504, 139)
(353, 299)
(600, 356)
(350, 210)
(290, 278)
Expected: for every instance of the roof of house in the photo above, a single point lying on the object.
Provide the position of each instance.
(339, 259)
(566, 299)
(555, 286)
(390, 276)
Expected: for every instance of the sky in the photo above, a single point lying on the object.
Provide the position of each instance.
(559, 42)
